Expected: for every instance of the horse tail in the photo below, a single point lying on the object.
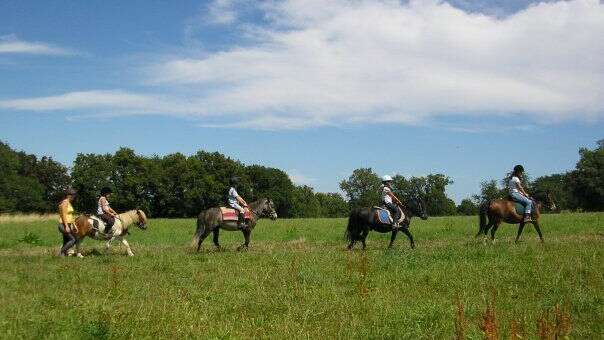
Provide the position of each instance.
(347, 233)
(482, 216)
(353, 223)
(200, 230)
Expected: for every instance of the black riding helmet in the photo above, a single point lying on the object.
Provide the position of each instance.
(518, 169)
(70, 192)
(105, 191)
(234, 180)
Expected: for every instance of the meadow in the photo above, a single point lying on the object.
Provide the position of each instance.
(297, 281)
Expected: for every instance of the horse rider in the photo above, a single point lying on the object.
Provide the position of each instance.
(237, 202)
(67, 225)
(517, 192)
(390, 201)
(104, 211)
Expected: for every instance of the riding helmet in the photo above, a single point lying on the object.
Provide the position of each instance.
(518, 168)
(106, 190)
(70, 192)
(386, 178)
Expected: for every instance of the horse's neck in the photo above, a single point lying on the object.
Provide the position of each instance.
(126, 219)
(255, 208)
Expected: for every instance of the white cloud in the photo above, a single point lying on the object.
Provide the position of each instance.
(10, 44)
(109, 103)
(298, 178)
(358, 61)
(341, 62)
(221, 12)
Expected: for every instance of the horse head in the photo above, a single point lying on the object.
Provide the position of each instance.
(141, 219)
(269, 209)
(417, 205)
(546, 198)
(549, 200)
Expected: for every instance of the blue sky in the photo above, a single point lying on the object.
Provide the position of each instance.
(315, 88)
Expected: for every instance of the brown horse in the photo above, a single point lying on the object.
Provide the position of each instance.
(93, 227)
(210, 221)
(493, 212)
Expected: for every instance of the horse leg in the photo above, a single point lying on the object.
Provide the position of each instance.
(493, 230)
(107, 244)
(246, 234)
(351, 244)
(406, 231)
(216, 233)
(536, 225)
(392, 238)
(125, 243)
(364, 237)
(520, 228)
(201, 238)
(77, 246)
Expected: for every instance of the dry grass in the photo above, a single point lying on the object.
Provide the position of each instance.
(17, 218)
(461, 324)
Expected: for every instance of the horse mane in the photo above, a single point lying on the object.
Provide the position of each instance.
(129, 214)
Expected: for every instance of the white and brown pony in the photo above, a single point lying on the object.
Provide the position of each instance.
(93, 227)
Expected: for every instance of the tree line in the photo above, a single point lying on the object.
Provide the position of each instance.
(174, 185)
(177, 185)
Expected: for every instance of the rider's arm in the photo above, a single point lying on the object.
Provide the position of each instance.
(241, 201)
(391, 194)
(522, 191)
(106, 208)
(63, 214)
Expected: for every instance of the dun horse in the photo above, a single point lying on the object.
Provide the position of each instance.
(361, 220)
(92, 227)
(493, 212)
(211, 221)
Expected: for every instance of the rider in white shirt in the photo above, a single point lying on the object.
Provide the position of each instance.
(237, 202)
(518, 194)
(104, 211)
(389, 200)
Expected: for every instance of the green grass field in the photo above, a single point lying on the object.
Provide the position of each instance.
(297, 281)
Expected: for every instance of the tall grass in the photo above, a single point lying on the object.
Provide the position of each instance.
(297, 281)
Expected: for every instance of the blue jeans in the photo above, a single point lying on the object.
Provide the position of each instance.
(528, 204)
(394, 210)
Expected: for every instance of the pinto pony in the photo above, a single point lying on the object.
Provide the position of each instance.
(90, 226)
(493, 212)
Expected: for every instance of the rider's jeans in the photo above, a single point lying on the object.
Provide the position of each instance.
(396, 214)
(528, 204)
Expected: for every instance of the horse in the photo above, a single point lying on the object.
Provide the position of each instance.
(93, 227)
(361, 220)
(495, 211)
(210, 221)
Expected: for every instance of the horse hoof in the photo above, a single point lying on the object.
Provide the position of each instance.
(80, 256)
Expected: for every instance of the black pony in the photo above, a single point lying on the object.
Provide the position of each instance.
(361, 220)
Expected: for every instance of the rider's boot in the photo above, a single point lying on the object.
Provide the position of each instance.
(241, 223)
(527, 218)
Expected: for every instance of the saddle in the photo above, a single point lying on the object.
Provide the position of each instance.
(230, 214)
(384, 216)
(100, 226)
